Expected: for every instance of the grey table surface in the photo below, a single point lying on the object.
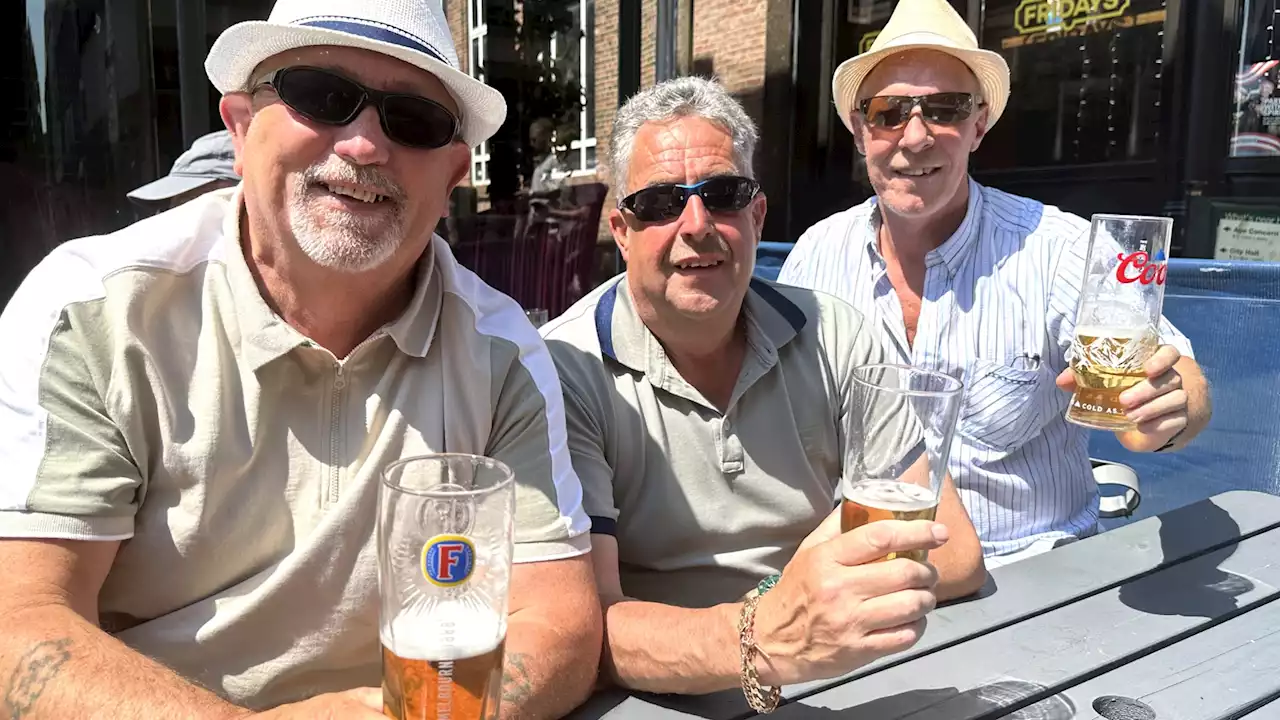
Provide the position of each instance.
(1169, 618)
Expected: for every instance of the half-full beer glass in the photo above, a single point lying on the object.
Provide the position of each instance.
(898, 440)
(445, 525)
(1118, 316)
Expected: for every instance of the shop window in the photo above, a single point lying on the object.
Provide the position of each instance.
(1087, 81)
(1255, 117)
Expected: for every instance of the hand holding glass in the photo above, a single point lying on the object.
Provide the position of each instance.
(1118, 316)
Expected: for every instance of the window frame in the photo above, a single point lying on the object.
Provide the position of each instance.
(477, 37)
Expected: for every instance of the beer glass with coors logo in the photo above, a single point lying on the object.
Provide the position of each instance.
(445, 529)
(1118, 316)
(898, 438)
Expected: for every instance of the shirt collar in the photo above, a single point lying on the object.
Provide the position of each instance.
(623, 336)
(951, 253)
(267, 336)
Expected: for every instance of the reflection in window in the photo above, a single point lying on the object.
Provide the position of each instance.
(1256, 111)
(1087, 79)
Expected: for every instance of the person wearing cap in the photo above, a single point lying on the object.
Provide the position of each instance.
(196, 410)
(979, 284)
(208, 165)
(709, 415)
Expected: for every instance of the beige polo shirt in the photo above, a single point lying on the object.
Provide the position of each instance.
(703, 503)
(148, 394)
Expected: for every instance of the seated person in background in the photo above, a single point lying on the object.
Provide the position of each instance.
(706, 412)
(208, 165)
(978, 284)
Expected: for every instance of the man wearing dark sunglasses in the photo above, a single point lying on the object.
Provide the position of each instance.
(702, 410)
(197, 410)
(977, 283)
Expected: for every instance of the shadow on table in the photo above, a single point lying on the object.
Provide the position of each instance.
(1198, 588)
(948, 703)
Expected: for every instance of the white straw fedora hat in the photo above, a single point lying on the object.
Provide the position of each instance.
(924, 25)
(414, 31)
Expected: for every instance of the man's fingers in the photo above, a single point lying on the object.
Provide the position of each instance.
(876, 540)
(368, 696)
(829, 529)
(894, 639)
(1161, 361)
(1148, 390)
(1066, 380)
(1167, 404)
(896, 609)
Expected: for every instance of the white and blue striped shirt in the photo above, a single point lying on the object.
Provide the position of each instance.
(998, 311)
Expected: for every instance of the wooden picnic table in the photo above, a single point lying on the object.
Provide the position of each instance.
(1169, 618)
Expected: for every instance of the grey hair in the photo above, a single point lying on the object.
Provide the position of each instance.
(688, 96)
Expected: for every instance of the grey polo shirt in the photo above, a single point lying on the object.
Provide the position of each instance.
(703, 503)
(149, 394)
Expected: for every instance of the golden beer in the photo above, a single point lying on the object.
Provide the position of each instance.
(1107, 362)
(466, 688)
(875, 500)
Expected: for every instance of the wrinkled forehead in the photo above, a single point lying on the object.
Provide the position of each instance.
(919, 72)
(685, 149)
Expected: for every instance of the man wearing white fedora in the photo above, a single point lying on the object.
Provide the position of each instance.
(978, 283)
(196, 410)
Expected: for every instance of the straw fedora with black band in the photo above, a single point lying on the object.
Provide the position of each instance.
(414, 31)
(924, 25)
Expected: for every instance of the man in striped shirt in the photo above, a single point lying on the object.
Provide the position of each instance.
(979, 284)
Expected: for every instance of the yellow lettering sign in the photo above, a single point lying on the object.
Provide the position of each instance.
(1033, 16)
(864, 44)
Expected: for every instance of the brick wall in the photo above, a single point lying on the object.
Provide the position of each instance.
(729, 41)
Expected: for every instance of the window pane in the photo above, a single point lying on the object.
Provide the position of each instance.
(1086, 81)
(1256, 111)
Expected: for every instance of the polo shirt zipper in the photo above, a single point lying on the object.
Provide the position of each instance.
(335, 432)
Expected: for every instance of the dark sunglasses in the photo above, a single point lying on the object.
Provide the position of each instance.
(893, 111)
(328, 98)
(726, 193)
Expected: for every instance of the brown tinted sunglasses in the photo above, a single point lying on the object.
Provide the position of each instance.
(893, 111)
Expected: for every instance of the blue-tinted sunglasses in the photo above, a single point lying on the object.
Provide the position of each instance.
(725, 193)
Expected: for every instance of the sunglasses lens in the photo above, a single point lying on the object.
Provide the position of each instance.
(318, 95)
(885, 111)
(726, 194)
(946, 107)
(418, 122)
(657, 203)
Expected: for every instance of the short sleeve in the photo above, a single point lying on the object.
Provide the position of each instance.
(69, 473)
(528, 435)
(796, 269)
(1064, 296)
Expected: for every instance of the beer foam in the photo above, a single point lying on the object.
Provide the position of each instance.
(1103, 331)
(891, 495)
(446, 631)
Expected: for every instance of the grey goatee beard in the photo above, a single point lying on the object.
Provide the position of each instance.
(339, 240)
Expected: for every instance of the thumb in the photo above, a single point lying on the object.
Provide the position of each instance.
(829, 529)
(1066, 380)
(369, 696)
(873, 541)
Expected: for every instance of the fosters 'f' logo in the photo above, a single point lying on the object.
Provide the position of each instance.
(1038, 15)
(1142, 268)
(447, 560)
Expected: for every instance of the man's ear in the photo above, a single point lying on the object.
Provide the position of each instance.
(759, 207)
(459, 155)
(237, 112)
(855, 119)
(984, 117)
(618, 227)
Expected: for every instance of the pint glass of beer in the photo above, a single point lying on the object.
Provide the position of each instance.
(445, 526)
(1118, 315)
(898, 439)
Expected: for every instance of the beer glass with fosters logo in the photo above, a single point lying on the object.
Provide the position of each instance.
(898, 439)
(445, 533)
(1118, 315)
